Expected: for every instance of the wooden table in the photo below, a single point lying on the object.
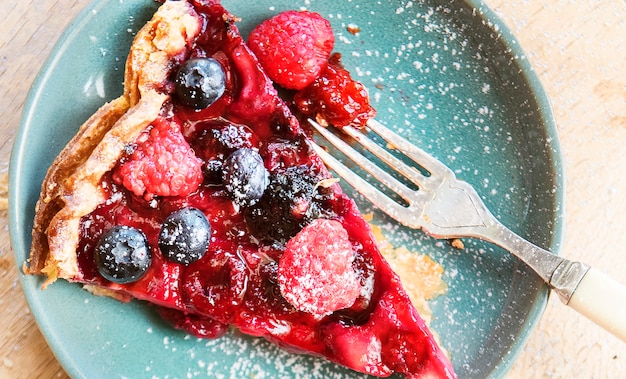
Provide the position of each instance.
(578, 50)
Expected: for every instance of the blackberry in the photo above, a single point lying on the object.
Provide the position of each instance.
(122, 254)
(185, 236)
(291, 201)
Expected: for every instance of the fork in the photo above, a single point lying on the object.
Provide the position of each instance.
(446, 207)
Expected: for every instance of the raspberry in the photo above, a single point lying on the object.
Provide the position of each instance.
(335, 98)
(315, 273)
(293, 47)
(162, 164)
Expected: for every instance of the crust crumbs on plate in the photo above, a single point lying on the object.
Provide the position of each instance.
(421, 276)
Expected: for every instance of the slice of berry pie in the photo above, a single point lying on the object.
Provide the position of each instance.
(197, 191)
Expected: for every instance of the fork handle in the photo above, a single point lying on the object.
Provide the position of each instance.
(602, 300)
(588, 291)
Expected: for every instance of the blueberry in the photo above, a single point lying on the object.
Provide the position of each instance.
(185, 236)
(245, 177)
(122, 254)
(200, 82)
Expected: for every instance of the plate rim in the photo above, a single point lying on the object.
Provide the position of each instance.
(15, 217)
(555, 152)
(505, 38)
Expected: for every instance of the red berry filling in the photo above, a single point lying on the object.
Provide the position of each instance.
(293, 47)
(297, 266)
(315, 273)
(335, 98)
(162, 164)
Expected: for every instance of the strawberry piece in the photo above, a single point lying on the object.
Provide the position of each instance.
(361, 348)
(315, 273)
(162, 164)
(293, 47)
(335, 98)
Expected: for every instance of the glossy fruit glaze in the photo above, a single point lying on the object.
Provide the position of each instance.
(334, 98)
(236, 281)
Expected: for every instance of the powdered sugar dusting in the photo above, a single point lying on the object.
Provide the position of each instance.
(247, 357)
(440, 78)
(431, 76)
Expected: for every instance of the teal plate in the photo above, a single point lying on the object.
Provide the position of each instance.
(447, 74)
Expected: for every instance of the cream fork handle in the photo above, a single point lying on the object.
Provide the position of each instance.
(586, 290)
(602, 300)
(590, 292)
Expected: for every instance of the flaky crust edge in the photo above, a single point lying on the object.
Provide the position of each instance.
(71, 188)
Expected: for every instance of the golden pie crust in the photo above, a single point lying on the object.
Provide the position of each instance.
(72, 186)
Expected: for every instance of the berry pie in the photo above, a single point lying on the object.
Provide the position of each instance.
(197, 192)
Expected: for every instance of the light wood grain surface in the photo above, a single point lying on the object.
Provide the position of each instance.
(578, 51)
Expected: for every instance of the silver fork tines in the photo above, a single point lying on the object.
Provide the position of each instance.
(442, 205)
(427, 207)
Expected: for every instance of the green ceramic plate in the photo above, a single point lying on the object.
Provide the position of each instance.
(447, 74)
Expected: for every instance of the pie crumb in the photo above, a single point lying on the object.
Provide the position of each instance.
(457, 244)
(353, 29)
(420, 275)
